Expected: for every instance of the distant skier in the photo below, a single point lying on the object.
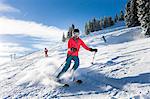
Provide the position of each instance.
(74, 44)
(104, 38)
(46, 52)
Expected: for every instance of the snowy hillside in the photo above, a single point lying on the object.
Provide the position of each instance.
(17, 37)
(120, 70)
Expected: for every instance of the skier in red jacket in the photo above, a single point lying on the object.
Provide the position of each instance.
(46, 52)
(74, 44)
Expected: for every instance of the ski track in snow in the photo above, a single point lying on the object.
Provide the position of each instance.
(120, 70)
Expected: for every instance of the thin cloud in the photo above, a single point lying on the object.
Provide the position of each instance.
(7, 8)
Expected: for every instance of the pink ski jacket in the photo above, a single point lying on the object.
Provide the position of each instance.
(72, 43)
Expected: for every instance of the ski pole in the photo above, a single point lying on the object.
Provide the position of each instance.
(93, 59)
(61, 65)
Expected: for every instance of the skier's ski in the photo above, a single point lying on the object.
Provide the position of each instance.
(79, 81)
(62, 83)
(68, 85)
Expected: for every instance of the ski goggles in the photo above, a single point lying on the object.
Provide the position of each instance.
(76, 33)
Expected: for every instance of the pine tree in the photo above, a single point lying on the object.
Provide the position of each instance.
(91, 27)
(121, 18)
(94, 24)
(105, 22)
(110, 21)
(131, 17)
(68, 34)
(144, 15)
(70, 31)
(63, 38)
(73, 26)
(101, 23)
(87, 29)
(128, 15)
(116, 18)
(98, 25)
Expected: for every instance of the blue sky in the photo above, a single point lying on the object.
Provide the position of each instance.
(62, 13)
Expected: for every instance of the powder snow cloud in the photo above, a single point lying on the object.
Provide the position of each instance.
(13, 26)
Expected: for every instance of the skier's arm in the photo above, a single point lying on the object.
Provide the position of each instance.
(85, 46)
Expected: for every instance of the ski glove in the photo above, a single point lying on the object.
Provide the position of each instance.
(93, 50)
(73, 49)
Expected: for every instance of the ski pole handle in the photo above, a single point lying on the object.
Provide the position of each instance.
(93, 58)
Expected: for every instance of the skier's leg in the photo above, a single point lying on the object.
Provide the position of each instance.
(76, 64)
(66, 67)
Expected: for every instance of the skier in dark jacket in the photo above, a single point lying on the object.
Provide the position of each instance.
(104, 38)
(74, 44)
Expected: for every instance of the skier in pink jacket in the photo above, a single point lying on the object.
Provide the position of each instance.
(74, 44)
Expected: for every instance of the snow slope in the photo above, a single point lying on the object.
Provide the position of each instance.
(120, 70)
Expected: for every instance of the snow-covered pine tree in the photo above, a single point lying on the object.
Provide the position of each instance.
(131, 17)
(63, 38)
(128, 14)
(144, 15)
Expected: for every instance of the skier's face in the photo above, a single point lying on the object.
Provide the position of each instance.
(76, 34)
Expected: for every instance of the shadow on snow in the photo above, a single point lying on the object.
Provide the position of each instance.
(95, 82)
